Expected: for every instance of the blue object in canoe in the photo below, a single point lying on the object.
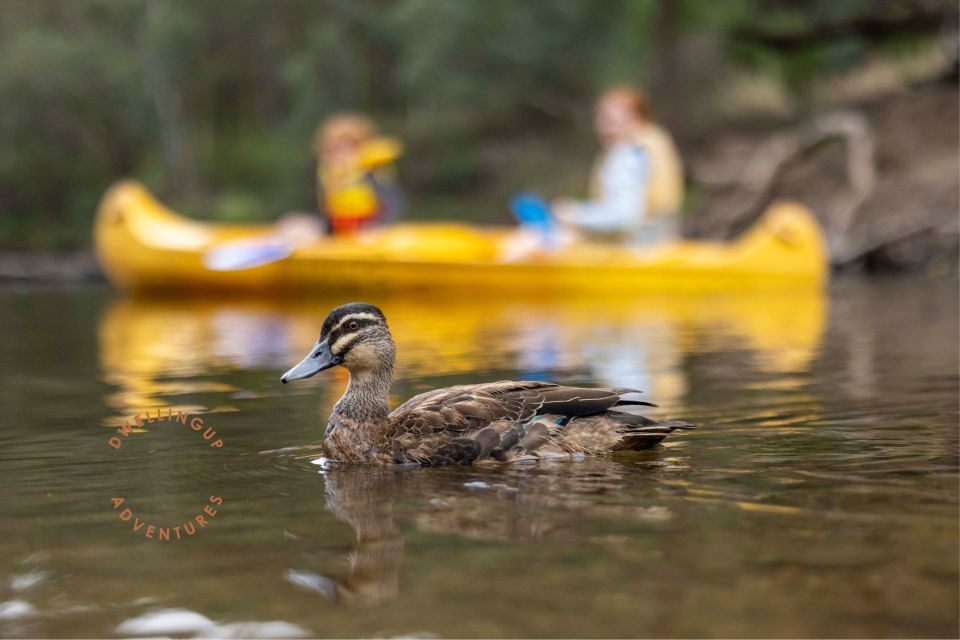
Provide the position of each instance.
(533, 212)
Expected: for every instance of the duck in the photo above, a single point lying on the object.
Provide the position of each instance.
(503, 421)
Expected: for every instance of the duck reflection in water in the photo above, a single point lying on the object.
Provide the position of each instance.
(364, 500)
(527, 503)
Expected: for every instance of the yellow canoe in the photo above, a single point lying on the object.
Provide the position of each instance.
(143, 246)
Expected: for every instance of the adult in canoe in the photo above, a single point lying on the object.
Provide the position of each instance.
(637, 184)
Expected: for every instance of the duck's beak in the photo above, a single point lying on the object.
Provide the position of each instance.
(320, 358)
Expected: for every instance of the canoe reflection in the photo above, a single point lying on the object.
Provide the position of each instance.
(151, 350)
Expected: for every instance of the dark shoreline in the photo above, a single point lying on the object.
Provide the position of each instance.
(78, 265)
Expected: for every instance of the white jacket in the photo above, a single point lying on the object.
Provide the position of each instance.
(633, 182)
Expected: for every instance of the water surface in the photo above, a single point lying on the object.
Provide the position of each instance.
(819, 497)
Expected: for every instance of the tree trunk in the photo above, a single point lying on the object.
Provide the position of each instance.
(666, 84)
(176, 142)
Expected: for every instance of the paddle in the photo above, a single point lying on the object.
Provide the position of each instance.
(246, 254)
(294, 229)
(530, 210)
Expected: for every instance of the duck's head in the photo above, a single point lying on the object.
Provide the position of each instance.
(355, 336)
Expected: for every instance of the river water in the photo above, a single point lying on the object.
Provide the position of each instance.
(819, 497)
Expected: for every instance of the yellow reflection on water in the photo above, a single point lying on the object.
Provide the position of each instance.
(153, 349)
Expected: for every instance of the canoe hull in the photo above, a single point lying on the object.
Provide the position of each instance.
(143, 247)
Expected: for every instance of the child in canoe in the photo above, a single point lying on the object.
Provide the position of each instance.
(355, 190)
(355, 185)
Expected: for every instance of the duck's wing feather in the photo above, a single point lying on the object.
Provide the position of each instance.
(463, 423)
(472, 406)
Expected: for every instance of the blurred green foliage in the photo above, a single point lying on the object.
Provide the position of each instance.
(213, 103)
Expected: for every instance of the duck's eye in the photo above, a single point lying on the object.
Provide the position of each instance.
(353, 325)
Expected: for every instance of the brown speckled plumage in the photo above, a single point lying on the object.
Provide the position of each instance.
(464, 424)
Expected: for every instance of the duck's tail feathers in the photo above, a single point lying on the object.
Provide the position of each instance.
(641, 403)
(641, 432)
(625, 399)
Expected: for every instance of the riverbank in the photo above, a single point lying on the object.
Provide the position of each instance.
(882, 176)
(78, 265)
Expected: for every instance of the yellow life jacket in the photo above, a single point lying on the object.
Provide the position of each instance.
(665, 189)
(348, 192)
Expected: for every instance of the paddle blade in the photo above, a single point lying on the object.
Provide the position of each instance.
(531, 210)
(245, 255)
